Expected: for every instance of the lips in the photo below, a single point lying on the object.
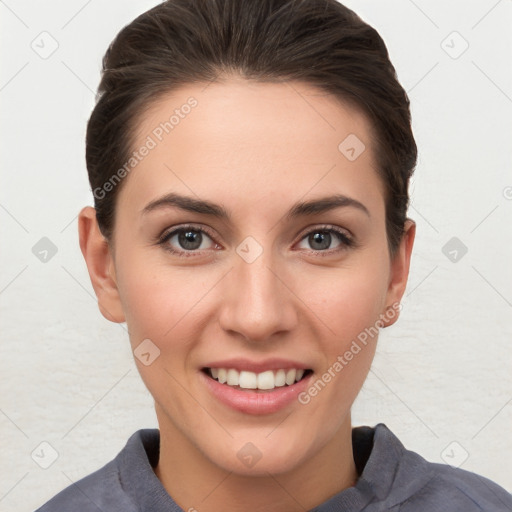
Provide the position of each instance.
(254, 387)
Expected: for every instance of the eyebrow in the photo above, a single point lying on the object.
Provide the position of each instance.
(299, 209)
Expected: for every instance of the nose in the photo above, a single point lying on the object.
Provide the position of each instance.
(258, 300)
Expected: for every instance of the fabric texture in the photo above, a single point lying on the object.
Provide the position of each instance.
(391, 479)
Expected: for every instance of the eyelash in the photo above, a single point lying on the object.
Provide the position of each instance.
(345, 241)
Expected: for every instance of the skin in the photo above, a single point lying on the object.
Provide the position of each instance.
(256, 149)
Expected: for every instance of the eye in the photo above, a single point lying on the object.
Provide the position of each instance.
(322, 239)
(187, 239)
(190, 240)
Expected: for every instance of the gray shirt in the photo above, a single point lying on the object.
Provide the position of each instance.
(391, 479)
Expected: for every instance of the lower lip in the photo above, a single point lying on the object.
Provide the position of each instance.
(252, 401)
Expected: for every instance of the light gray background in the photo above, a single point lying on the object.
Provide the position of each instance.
(441, 379)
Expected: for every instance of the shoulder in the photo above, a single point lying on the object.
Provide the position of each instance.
(397, 479)
(456, 490)
(99, 491)
(105, 490)
(436, 486)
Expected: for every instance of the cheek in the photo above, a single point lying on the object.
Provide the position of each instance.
(164, 305)
(161, 302)
(347, 300)
(349, 303)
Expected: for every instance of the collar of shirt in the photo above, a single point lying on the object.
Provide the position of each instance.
(381, 460)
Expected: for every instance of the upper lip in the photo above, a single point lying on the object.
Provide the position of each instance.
(242, 364)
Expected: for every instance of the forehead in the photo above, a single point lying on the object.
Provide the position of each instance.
(243, 141)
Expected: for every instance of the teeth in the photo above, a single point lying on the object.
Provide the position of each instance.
(266, 380)
(250, 380)
(290, 376)
(280, 378)
(223, 375)
(233, 378)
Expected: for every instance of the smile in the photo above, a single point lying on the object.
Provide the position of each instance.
(257, 390)
(266, 380)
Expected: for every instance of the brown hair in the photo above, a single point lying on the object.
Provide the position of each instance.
(320, 42)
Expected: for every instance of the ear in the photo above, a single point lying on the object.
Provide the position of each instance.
(100, 264)
(399, 275)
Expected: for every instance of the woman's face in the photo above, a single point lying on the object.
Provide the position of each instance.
(281, 264)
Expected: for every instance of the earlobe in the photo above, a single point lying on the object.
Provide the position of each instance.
(399, 273)
(100, 264)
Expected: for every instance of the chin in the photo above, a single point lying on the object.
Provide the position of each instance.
(262, 454)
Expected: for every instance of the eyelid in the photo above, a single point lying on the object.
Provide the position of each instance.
(326, 227)
(183, 227)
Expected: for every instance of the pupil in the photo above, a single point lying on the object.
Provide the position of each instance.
(190, 239)
(323, 238)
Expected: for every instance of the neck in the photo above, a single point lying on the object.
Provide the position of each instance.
(195, 482)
